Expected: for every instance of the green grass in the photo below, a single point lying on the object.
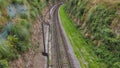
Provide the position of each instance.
(81, 49)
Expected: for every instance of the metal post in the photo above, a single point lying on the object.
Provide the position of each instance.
(43, 37)
(44, 52)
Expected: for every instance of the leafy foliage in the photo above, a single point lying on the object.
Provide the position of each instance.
(17, 1)
(20, 36)
(7, 51)
(4, 64)
(97, 17)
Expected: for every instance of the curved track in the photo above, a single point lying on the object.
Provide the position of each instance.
(60, 55)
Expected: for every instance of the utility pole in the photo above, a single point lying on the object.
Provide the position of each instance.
(43, 35)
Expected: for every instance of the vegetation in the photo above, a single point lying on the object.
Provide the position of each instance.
(81, 49)
(16, 37)
(3, 13)
(19, 36)
(17, 1)
(3, 64)
(98, 21)
(18, 40)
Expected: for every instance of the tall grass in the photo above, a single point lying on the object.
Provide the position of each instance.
(97, 17)
(81, 49)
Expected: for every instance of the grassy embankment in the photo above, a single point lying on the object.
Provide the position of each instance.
(82, 51)
(99, 22)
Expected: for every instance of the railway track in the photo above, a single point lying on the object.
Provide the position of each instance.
(60, 55)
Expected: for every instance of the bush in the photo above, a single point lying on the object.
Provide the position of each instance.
(22, 46)
(20, 36)
(33, 14)
(24, 16)
(25, 24)
(18, 45)
(12, 39)
(17, 1)
(7, 51)
(4, 64)
(20, 32)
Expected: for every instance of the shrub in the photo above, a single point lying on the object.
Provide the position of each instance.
(24, 16)
(17, 1)
(19, 45)
(13, 40)
(20, 32)
(4, 64)
(20, 36)
(33, 14)
(7, 51)
(22, 46)
(25, 24)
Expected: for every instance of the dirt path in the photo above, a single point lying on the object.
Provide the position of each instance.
(39, 59)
